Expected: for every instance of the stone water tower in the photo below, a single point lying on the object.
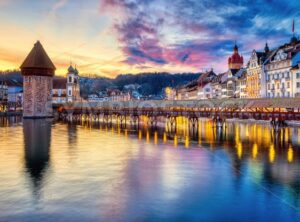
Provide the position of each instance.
(38, 71)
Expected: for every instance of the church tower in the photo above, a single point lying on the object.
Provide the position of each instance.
(73, 85)
(38, 71)
(235, 61)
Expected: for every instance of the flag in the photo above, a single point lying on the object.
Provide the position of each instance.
(293, 27)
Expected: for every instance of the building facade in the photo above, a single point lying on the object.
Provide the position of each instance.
(295, 72)
(3, 96)
(73, 85)
(229, 81)
(216, 86)
(117, 95)
(277, 70)
(235, 61)
(254, 72)
(241, 89)
(188, 91)
(59, 91)
(38, 71)
(205, 90)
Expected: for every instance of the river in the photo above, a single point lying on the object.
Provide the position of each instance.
(54, 171)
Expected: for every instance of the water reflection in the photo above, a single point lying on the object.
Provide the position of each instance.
(115, 173)
(243, 142)
(37, 137)
(72, 134)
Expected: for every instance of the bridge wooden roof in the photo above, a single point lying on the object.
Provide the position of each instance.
(211, 103)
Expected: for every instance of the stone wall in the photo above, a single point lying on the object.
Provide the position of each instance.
(37, 96)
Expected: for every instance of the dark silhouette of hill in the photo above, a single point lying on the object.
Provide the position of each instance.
(148, 83)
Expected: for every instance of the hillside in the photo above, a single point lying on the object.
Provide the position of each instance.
(148, 83)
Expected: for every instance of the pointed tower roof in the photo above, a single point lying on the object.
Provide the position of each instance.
(71, 69)
(235, 47)
(76, 71)
(38, 58)
(267, 50)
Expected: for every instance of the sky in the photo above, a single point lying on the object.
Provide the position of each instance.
(110, 37)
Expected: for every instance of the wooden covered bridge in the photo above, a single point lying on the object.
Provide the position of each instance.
(276, 110)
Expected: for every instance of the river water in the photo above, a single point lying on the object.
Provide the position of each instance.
(52, 171)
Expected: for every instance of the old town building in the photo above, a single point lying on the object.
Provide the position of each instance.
(279, 81)
(254, 71)
(197, 89)
(118, 95)
(235, 61)
(229, 80)
(38, 71)
(73, 85)
(188, 91)
(205, 90)
(59, 91)
(295, 72)
(67, 89)
(216, 86)
(170, 93)
(3, 96)
(241, 89)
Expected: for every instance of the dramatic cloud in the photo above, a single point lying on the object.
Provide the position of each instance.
(197, 33)
(108, 37)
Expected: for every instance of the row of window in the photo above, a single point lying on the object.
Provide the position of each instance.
(278, 86)
(277, 65)
(272, 95)
(278, 75)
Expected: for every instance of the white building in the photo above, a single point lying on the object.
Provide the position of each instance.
(295, 72)
(59, 91)
(96, 98)
(73, 85)
(279, 81)
(66, 89)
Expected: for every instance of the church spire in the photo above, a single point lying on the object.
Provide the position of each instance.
(267, 50)
(235, 48)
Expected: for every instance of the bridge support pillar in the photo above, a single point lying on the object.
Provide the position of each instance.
(218, 121)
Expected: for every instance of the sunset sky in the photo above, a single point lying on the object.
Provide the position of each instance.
(109, 37)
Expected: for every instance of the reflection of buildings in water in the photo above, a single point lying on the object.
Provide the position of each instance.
(72, 133)
(37, 136)
(242, 141)
(7, 121)
(295, 136)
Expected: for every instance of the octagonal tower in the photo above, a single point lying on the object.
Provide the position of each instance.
(38, 71)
